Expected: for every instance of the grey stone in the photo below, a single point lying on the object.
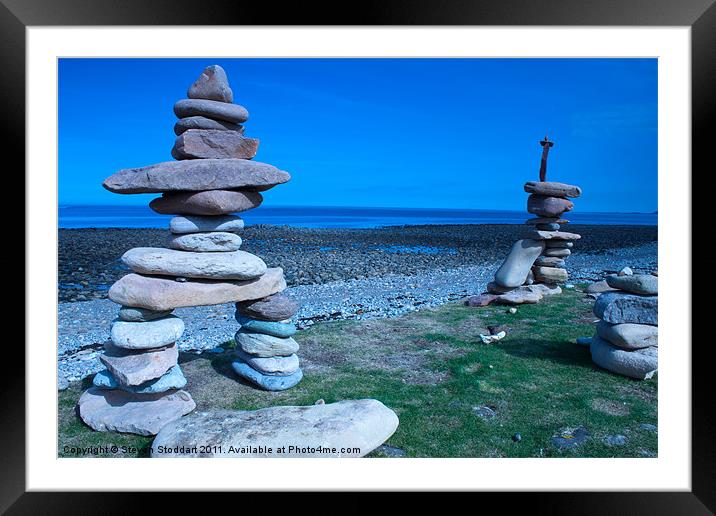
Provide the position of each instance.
(553, 189)
(277, 365)
(273, 308)
(615, 440)
(549, 274)
(134, 368)
(275, 329)
(552, 235)
(640, 364)
(390, 451)
(197, 175)
(521, 295)
(617, 308)
(213, 202)
(494, 288)
(216, 241)
(629, 335)
(546, 220)
(261, 345)
(562, 244)
(233, 265)
(641, 284)
(62, 383)
(626, 271)
(481, 300)
(132, 314)
(198, 224)
(166, 294)
(544, 289)
(120, 411)
(298, 431)
(211, 109)
(548, 206)
(484, 412)
(213, 144)
(598, 287)
(570, 440)
(550, 261)
(201, 122)
(556, 252)
(548, 227)
(212, 84)
(513, 271)
(147, 335)
(648, 427)
(172, 379)
(265, 381)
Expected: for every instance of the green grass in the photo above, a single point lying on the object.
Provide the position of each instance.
(431, 368)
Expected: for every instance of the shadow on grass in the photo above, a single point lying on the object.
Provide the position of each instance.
(558, 352)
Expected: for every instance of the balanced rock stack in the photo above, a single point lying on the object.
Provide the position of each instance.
(213, 178)
(626, 337)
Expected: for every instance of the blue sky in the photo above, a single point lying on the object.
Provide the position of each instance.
(433, 133)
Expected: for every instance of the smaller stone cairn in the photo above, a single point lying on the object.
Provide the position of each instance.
(625, 341)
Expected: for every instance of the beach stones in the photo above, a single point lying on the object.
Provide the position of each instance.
(262, 345)
(132, 314)
(274, 329)
(147, 335)
(211, 202)
(556, 252)
(116, 410)
(209, 143)
(272, 308)
(548, 206)
(550, 274)
(618, 308)
(598, 287)
(233, 265)
(201, 122)
(640, 363)
(518, 296)
(211, 109)
(549, 261)
(628, 335)
(514, 270)
(212, 84)
(219, 241)
(361, 425)
(134, 368)
(273, 365)
(553, 235)
(199, 224)
(265, 381)
(552, 189)
(546, 220)
(173, 379)
(642, 284)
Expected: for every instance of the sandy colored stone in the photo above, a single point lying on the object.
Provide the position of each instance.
(552, 189)
(552, 235)
(629, 335)
(213, 242)
(550, 274)
(212, 144)
(136, 367)
(548, 206)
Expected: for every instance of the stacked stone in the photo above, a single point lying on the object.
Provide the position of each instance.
(626, 337)
(548, 200)
(213, 177)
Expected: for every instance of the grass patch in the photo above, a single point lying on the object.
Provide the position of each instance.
(432, 370)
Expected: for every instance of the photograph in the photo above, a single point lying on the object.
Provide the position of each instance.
(343, 257)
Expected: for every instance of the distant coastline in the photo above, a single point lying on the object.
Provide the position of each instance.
(106, 216)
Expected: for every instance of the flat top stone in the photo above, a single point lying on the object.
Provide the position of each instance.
(362, 424)
(197, 175)
(618, 307)
(211, 109)
(642, 284)
(272, 308)
(552, 188)
(134, 368)
(552, 235)
(212, 84)
(546, 220)
(147, 335)
(199, 223)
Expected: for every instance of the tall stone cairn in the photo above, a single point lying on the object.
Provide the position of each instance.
(213, 177)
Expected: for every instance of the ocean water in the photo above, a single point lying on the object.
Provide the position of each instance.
(87, 216)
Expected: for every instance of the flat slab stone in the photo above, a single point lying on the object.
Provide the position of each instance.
(201, 122)
(131, 314)
(212, 84)
(514, 270)
(198, 224)
(556, 252)
(550, 261)
(617, 308)
(360, 424)
(262, 345)
(550, 274)
(147, 335)
(144, 414)
(134, 368)
(214, 242)
(213, 144)
(548, 227)
(265, 381)
(277, 365)
(483, 299)
(273, 308)
(641, 284)
(640, 364)
(234, 265)
(544, 289)
(552, 189)
(275, 329)
(213, 202)
(552, 235)
(196, 176)
(211, 109)
(628, 335)
(548, 206)
(599, 287)
(519, 296)
(172, 379)
(157, 293)
(546, 220)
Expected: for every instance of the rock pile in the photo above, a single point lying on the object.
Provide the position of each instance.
(626, 337)
(213, 177)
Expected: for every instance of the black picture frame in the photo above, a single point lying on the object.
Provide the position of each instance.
(700, 15)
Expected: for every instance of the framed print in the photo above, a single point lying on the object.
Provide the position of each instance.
(416, 250)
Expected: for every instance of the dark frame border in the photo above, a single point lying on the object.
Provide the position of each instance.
(700, 15)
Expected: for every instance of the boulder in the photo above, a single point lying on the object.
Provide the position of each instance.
(216, 241)
(197, 175)
(550, 261)
(213, 144)
(172, 379)
(598, 287)
(211, 109)
(618, 308)
(552, 235)
(134, 368)
(273, 308)
(266, 381)
(212, 84)
(552, 189)
(261, 345)
(556, 252)
(198, 224)
(201, 122)
(233, 265)
(550, 274)
(640, 364)
(213, 202)
(299, 431)
(629, 335)
(275, 329)
(147, 335)
(641, 284)
(277, 365)
(120, 411)
(167, 294)
(513, 271)
(131, 314)
(548, 206)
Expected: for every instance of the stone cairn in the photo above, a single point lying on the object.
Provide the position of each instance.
(535, 266)
(140, 391)
(625, 341)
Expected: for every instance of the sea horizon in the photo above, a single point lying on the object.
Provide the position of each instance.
(76, 216)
